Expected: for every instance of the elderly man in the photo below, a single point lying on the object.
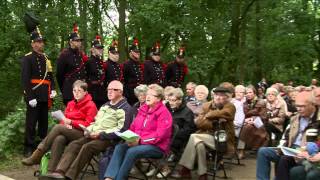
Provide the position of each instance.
(294, 137)
(215, 111)
(113, 116)
(190, 87)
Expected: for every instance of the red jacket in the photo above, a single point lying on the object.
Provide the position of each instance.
(82, 112)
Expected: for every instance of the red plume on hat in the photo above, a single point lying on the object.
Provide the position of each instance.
(135, 42)
(182, 51)
(75, 28)
(98, 38)
(114, 46)
(156, 48)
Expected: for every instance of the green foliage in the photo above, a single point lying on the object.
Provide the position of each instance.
(12, 128)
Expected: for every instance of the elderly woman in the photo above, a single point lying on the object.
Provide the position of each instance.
(183, 118)
(153, 124)
(238, 101)
(140, 92)
(80, 111)
(275, 114)
(255, 113)
(201, 94)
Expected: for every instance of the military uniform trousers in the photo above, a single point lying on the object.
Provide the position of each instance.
(57, 140)
(34, 115)
(196, 148)
(78, 154)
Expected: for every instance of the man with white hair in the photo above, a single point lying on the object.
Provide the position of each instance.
(113, 116)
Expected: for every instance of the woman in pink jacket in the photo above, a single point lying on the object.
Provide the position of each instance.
(154, 126)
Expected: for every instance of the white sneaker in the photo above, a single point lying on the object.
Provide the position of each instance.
(165, 173)
(151, 172)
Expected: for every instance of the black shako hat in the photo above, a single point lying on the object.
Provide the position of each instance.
(96, 43)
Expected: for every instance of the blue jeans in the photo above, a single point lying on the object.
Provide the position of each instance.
(124, 157)
(266, 155)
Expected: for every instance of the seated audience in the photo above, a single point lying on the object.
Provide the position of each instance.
(293, 137)
(81, 110)
(275, 115)
(140, 92)
(255, 112)
(190, 87)
(201, 95)
(183, 118)
(238, 102)
(214, 112)
(154, 126)
(112, 117)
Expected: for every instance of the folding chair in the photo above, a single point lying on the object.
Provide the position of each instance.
(156, 163)
(216, 156)
(89, 168)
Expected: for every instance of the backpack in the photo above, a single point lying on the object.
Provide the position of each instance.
(43, 167)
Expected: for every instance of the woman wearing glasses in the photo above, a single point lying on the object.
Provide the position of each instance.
(153, 124)
(80, 111)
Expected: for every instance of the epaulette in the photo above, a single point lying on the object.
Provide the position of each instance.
(28, 53)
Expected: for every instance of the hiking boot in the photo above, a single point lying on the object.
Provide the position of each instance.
(35, 158)
(184, 173)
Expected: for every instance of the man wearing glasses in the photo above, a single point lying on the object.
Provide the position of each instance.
(115, 115)
(71, 65)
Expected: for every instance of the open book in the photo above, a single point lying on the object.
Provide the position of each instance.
(58, 115)
(290, 151)
(128, 135)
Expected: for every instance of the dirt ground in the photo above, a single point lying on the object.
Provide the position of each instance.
(246, 171)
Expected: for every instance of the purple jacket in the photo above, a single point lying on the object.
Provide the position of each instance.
(154, 126)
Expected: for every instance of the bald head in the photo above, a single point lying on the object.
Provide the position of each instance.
(304, 104)
(116, 85)
(115, 89)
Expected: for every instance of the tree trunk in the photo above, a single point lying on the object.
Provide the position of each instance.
(83, 6)
(257, 42)
(122, 29)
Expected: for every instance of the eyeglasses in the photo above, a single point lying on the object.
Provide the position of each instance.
(173, 100)
(112, 89)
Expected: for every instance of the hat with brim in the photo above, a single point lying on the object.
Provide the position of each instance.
(221, 90)
(36, 36)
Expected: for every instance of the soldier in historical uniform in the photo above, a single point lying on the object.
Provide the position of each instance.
(132, 72)
(114, 70)
(71, 65)
(96, 73)
(177, 70)
(38, 88)
(154, 69)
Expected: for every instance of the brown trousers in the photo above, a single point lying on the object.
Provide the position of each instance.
(56, 140)
(78, 154)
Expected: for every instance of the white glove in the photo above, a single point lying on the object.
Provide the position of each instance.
(33, 103)
(53, 94)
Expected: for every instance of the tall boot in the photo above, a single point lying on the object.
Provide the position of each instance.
(35, 158)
